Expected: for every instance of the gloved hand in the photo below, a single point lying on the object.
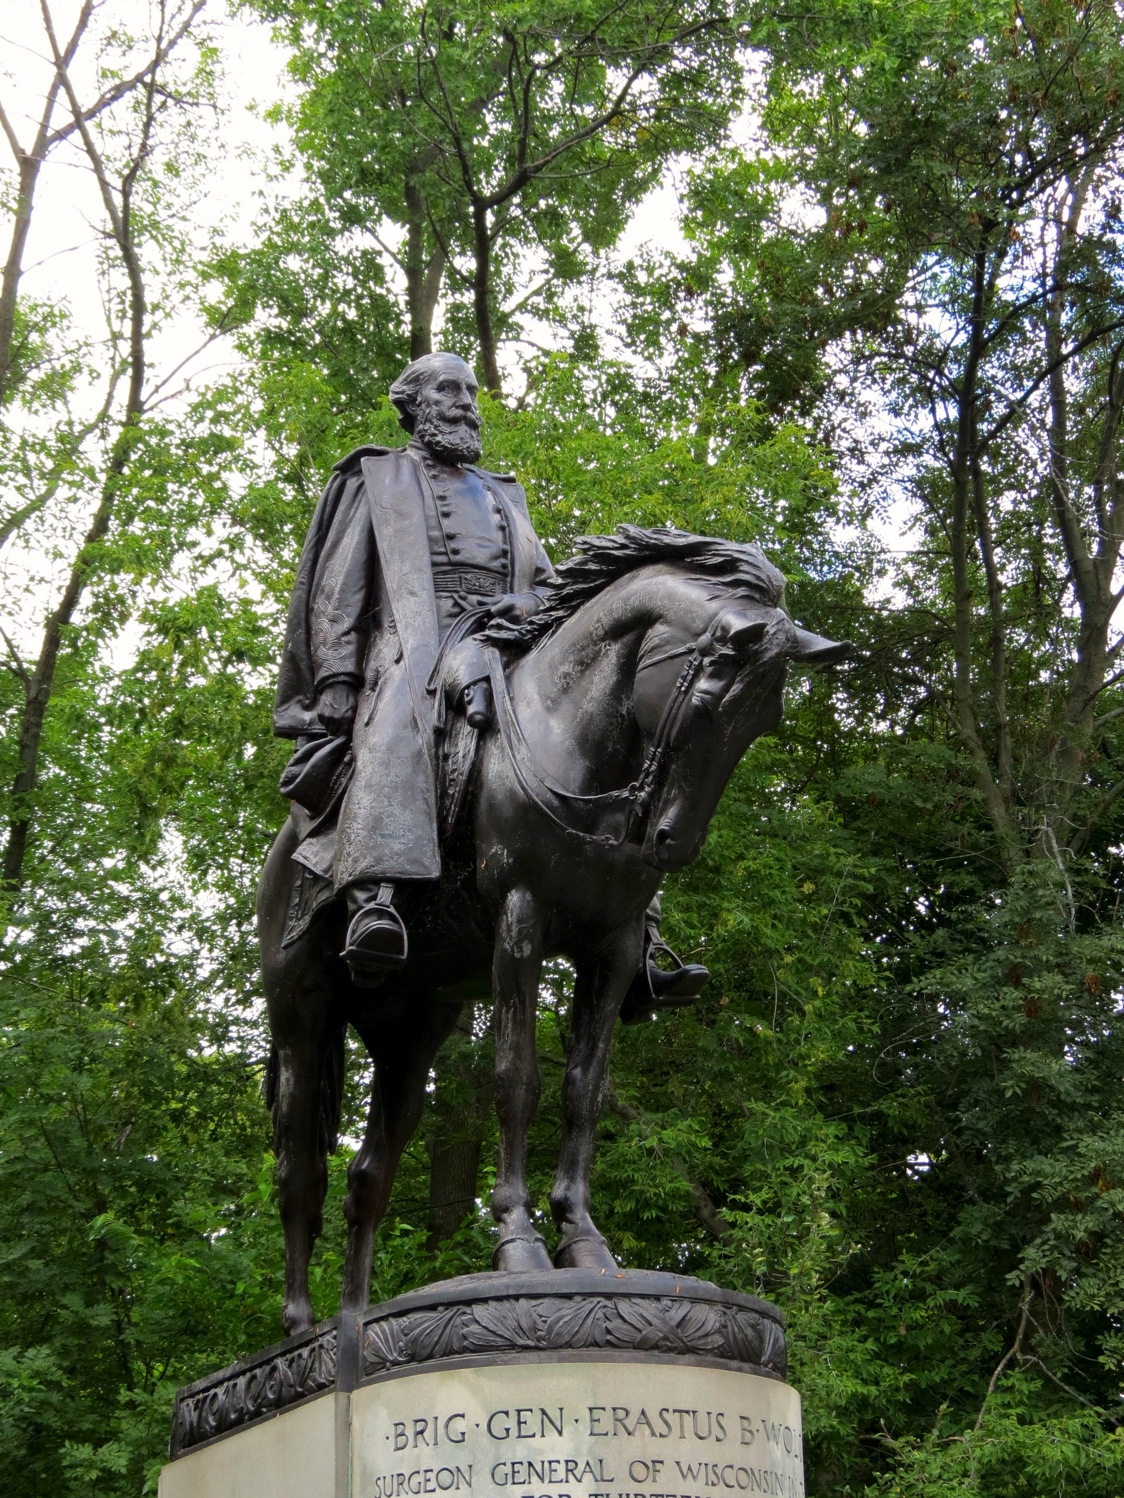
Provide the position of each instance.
(337, 706)
(515, 607)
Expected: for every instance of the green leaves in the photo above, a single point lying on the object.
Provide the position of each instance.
(896, 1109)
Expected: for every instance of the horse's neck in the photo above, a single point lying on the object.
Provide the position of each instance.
(574, 693)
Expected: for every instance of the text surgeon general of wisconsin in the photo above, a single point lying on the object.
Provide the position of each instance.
(410, 551)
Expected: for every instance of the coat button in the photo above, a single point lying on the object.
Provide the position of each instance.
(455, 550)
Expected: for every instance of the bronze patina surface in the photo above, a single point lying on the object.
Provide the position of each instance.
(496, 763)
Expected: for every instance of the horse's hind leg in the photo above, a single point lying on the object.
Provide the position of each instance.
(598, 992)
(402, 1047)
(305, 1071)
(307, 1082)
(516, 972)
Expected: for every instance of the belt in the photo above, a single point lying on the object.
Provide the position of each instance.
(467, 580)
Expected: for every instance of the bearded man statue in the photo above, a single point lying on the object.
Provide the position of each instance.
(410, 550)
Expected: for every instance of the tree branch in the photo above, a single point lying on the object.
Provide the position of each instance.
(13, 140)
(1012, 1352)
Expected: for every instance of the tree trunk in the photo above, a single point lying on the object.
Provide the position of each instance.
(462, 1105)
(13, 266)
(29, 163)
(423, 274)
(966, 495)
(1092, 569)
(41, 682)
(482, 300)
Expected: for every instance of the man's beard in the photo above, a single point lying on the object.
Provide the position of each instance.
(449, 441)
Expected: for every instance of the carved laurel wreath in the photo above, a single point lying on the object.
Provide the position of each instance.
(271, 1385)
(675, 1326)
(672, 1325)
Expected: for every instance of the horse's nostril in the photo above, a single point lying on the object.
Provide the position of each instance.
(663, 836)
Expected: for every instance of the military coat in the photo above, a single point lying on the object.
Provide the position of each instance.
(365, 609)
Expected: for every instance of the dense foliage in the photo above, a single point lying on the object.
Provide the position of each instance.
(890, 348)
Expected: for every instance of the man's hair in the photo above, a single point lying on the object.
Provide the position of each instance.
(409, 384)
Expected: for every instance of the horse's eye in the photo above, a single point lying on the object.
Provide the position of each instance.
(711, 689)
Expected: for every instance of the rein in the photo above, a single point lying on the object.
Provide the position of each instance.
(632, 801)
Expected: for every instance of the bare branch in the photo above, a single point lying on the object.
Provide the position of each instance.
(127, 85)
(13, 141)
(81, 124)
(1012, 1352)
(1038, 1363)
(17, 664)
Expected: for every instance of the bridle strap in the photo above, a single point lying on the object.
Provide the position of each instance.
(634, 799)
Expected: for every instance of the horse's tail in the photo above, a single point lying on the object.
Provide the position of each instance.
(331, 1092)
(269, 1082)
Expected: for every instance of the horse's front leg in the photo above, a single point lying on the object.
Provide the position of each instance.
(599, 990)
(516, 971)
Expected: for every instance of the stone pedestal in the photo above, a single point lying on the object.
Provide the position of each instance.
(563, 1384)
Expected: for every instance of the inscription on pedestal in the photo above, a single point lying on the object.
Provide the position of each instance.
(624, 1429)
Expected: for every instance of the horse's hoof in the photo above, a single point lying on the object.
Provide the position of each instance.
(584, 1251)
(521, 1254)
(296, 1319)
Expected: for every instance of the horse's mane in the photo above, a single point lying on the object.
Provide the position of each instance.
(741, 568)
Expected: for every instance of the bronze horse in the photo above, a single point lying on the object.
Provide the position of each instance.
(658, 660)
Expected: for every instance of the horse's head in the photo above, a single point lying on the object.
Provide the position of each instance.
(708, 682)
(699, 624)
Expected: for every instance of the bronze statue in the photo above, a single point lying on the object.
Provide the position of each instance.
(495, 763)
(410, 551)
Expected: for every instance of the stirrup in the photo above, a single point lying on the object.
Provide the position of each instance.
(376, 943)
(653, 989)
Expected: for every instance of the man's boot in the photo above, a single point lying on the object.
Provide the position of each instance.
(376, 934)
(672, 987)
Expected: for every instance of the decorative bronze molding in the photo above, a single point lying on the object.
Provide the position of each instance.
(263, 1385)
(500, 1317)
(675, 1326)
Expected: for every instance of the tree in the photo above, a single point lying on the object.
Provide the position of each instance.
(499, 137)
(991, 172)
(29, 160)
(970, 156)
(122, 167)
(896, 1110)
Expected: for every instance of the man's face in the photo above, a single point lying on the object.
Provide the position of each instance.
(446, 420)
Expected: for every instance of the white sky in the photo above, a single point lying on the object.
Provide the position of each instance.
(60, 260)
(60, 257)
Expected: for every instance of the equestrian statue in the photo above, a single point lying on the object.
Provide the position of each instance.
(495, 763)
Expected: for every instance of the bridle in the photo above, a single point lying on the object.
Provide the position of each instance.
(633, 802)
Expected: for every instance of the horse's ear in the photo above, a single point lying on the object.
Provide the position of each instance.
(815, 650)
